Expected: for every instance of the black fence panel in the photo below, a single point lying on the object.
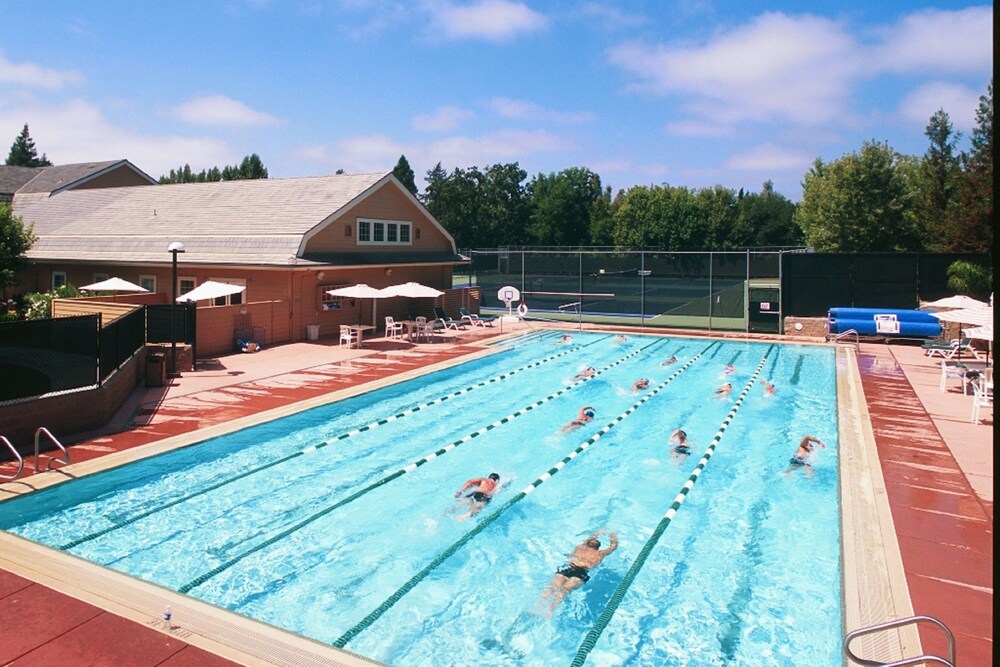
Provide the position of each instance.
(885, 280)
(811, 283)
(933, 274)
(120, 339)
(158, 328)
(42, 356)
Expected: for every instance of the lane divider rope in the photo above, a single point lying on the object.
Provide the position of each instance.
(121, 523)
(197, 581)
(612, 606)
(341, 641)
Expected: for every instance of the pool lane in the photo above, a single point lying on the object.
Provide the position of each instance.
(399, 473)
(366, 622)
(590, 640)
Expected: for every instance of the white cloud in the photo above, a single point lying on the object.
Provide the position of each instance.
(442, 119)
(493, 20)
(77, 131)
(221, 110)
(699, 128)
(939, 41)
(33, 76)
(960, 103)
(777, 67)
(506, 107)
(769, 158)
(612, 18)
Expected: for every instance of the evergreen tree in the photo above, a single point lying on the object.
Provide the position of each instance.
(938, 176)
(404, 173)
(973, 231)
(23, 153)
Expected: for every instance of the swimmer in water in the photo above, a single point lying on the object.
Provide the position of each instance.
(723, 390)
(668, 362)
(482, 490)
(640, 384)
(585, 416)
(768, 388)
(803, 456)
(681, 448)
(587, 372)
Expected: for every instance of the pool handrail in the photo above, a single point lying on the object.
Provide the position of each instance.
(17, 455)
(38, 433)
(909, 620)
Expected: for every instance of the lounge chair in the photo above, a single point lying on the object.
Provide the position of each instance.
(448, 322)
(476, 320)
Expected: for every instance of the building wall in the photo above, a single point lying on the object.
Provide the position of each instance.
(389, 203)
(120, 177)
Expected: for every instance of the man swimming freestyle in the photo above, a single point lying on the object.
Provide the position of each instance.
(585, 557)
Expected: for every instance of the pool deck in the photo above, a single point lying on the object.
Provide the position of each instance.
(937, 467)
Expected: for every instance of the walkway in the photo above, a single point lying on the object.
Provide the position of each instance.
(937, 466)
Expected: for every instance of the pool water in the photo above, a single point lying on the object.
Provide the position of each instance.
(340, 523)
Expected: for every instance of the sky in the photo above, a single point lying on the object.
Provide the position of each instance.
(692, 93)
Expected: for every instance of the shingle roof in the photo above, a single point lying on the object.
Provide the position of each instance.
(12, 178)
(227, 222)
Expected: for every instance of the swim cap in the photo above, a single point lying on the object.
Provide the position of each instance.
(495, 477)
(589, 413)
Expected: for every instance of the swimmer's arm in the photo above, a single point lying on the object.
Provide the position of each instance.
(468, 485)
(809, 438)
(613, 545)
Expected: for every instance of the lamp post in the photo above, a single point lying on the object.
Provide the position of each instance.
(174, 248)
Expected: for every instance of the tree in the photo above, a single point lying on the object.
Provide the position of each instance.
(969, 279)
(858, 203)
(973, 230)
(249, 169)
(404, 173)
(15, 241)
(767, 219)
(479, 208)
(23, 153)
(564, 207)
(938, 176)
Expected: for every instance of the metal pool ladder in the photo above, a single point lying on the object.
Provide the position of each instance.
(20, 460)
(910, 620)
(44, 431)
(844, 334)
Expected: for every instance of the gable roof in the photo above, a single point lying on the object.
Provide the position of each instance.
(260, 222)
(64, 176)
(13, 178)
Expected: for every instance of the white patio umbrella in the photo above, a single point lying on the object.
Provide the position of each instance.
(210, 289)
(956, 301)
(114, 285)
(412, 290)
(982, 317)
(359, 291)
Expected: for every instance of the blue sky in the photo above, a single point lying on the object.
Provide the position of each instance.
(685, 92)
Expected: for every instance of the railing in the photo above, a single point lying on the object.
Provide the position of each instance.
(20, 461)
(44, 431)
(910, 620)
(844, 334)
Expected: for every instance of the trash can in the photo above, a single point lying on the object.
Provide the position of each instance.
(312, 331)
(156, 369)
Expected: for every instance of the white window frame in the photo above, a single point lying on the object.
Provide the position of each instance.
(149, 280)
(379, 231)
(184, 279)
(56, 283)
(231, 299)
(100, 277)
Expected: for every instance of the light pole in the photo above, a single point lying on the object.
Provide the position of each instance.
(174, 248)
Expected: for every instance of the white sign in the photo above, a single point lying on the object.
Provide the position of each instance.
(886, 324)
(508, 295)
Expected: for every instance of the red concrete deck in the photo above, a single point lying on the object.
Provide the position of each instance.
(937, 467)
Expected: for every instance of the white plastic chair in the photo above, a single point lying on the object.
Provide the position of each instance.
(982, 397)
(348, 336)
(393, 329)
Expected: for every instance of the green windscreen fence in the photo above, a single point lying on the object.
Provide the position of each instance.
(43, 356)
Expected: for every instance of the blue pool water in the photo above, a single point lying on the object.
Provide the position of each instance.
(339, 523)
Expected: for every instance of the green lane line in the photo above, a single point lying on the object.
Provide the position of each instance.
(197, 581)
(447, 553)
(312, 448)
(612, 606)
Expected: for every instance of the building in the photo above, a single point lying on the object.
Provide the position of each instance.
(287, 241)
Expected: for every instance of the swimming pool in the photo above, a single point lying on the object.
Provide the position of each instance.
(339, 523)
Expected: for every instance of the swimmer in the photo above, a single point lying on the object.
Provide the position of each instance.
(585, 416)
(640, 384)
(803, 455)
(587, 372)
(681, 448)
(483, 489)
(723, 390)
(585, 557)
(619, 339)
(668, 362)
(729, 369)
(768, 388)
(565, 339)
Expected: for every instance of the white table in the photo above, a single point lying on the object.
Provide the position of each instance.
(359, 330)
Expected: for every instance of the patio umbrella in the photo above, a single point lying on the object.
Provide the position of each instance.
(210, 289)
(957, 301)
(114, 285)
(412, 290)
(982, 317)
(982, 333)
(359, 291)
